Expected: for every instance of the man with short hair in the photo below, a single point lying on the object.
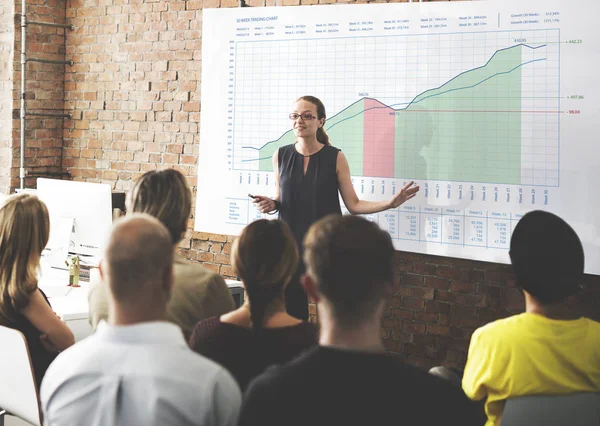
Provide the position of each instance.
(548, 349)
(137, 369)
(349, 379)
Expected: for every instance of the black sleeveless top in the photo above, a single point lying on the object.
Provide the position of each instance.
(305, 198)
(40, 357)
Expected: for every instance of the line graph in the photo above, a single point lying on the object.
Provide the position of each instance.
(417, 100)
(489, 106)
(479, 124)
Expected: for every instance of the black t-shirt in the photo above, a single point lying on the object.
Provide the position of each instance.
(327, 386)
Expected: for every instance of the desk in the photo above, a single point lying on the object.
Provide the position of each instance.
(71, 304)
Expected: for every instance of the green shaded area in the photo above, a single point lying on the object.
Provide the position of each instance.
(446, 133)
(462, 131)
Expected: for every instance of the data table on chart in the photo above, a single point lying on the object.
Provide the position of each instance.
(487, 106)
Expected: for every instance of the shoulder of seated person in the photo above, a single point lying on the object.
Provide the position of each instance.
(196, 270)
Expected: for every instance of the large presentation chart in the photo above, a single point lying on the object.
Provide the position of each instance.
(490, 106)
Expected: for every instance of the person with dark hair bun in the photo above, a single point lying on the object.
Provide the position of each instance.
(310, 176)
(549, 349)
(260, 333)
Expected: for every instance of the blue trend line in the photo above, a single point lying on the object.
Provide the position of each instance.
(420, 94)
(432, 96)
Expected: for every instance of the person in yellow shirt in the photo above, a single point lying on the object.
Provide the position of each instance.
(547, 350)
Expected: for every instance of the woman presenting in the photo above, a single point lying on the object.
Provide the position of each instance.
(309, 175)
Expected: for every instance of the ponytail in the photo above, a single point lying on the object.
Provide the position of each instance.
(322, 136)
(260, 298)
(264, 256)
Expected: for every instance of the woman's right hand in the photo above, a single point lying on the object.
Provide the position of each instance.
(264, 204)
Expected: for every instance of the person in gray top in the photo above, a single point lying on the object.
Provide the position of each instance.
(198, 293)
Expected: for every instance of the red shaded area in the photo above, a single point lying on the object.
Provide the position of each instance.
(379, 138)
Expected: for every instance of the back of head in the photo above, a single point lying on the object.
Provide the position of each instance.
(351, 260)
(24, 232)
(265, 257)
(138, 261)
(547, 257)
(165, 195)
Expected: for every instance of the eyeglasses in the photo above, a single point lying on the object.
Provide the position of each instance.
(305, 116)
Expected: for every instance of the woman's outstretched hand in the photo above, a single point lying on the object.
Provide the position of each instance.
(405, 194)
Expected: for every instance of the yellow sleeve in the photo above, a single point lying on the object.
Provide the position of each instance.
(478, 369)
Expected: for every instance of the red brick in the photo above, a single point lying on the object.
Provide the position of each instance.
(227, 271)
(434, 306)
(411, 280)
(475, 276)
(200, 245)
(413, 327)
(399, 336)
(390, 323)
(462, 286)
(461, 299)
(428, 317)
(218, 238)
(402, 314)
(514, 300)
(444, 319)
(422, 292)
(205, 257)
(222, 259)
(200, 236)
(437, 283)
(425, 340)
(413, 257)
(424, 269)
(497, 276)
(438, 330)
(491, 291)
(216, 247)
(212, 267)
(448, 272)
(413, 304)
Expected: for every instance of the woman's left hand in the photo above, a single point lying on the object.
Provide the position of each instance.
(404, 195)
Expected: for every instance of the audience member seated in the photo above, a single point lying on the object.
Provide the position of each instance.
(197, 293)
(137, 369)
(548, 349)
(260, 333)
(24, 232)
(349, 379)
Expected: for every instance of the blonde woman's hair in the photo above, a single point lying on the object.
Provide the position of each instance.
(265, 258)
(165, 195)
(24, 232)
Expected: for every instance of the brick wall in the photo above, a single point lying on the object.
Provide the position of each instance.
(134, 92)
(7, 38)
(44, 90)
